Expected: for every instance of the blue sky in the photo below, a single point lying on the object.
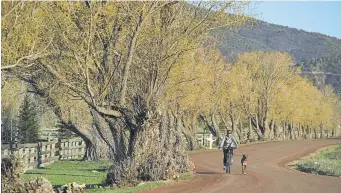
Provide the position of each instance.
(312, 16)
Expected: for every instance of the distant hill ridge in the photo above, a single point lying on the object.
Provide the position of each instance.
(264, 36)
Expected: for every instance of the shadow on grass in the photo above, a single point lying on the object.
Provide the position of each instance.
(49, 174)
(91, 170)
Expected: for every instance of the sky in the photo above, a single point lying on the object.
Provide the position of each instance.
(313, 16)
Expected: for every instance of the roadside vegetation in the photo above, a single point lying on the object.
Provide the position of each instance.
(327, 162)
(92, 174)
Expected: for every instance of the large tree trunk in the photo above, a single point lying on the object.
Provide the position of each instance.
(234, 126)
(321, 132)
(266, 131)
(265, 123)
(304, 134)
(256, 127)
(291, 130)
(270, 134)
(156, 153)
(101, 142)
(240, 132)
(233, 123)
(333, 132)
(250, 136)
(315, 133)
(275, 130)
(212, 126)
(216, 128)
(191, 141)
(309, 132)
(284, 130)
(94, 149)
(298, 130)
(188, 124)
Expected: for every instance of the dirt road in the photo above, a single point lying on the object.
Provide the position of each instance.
(266, 172)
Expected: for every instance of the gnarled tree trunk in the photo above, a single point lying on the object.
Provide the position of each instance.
(256, 127)
(155, 152)
(250, 136)
(94, 147)
(212, 126)
(188, 124)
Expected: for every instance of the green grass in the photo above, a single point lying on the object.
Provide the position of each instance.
(145, 186)
(81, 172)
(185, 176)
(328, 162)
(64, 172)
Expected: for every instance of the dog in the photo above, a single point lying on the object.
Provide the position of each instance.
(244, 163)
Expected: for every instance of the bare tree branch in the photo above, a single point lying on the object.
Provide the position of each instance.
(30, 57)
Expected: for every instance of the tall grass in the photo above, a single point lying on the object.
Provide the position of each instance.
(328, 163)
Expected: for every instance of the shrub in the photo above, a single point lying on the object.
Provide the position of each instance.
(12, 170)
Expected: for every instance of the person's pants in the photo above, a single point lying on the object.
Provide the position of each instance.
(226, 151)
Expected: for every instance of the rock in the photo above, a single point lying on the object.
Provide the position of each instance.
(175, 177)
(38, 185)
(72, 188)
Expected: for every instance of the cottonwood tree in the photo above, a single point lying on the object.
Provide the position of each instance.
(267, 71)
(215, 79)
(194, 90)
(278, 102)
(112, 61)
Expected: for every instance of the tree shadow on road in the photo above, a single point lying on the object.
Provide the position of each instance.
(207, 173)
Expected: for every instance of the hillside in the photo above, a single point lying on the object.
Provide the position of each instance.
(318, 54)
(301, 44)
(324, 70)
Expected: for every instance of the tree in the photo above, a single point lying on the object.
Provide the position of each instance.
(64, 133)
(28, 124)
(193, 91)
(268, 72)
(111, 60)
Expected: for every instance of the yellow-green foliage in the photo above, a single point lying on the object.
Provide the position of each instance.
(270, 77)
(203, 82)
(93, 49)
(11, 95)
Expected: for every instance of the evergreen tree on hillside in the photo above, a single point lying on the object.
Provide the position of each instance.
(28, 124)
(64, 133)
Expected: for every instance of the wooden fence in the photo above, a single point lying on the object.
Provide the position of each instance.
(41, 154)
(71, 149)
(202, 139)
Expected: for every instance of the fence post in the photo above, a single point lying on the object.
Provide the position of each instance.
(39, 153)
(211, 140)
(59, 148)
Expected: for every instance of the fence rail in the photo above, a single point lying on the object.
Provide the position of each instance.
(71, 149)
(202, 138)
(44, 153)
